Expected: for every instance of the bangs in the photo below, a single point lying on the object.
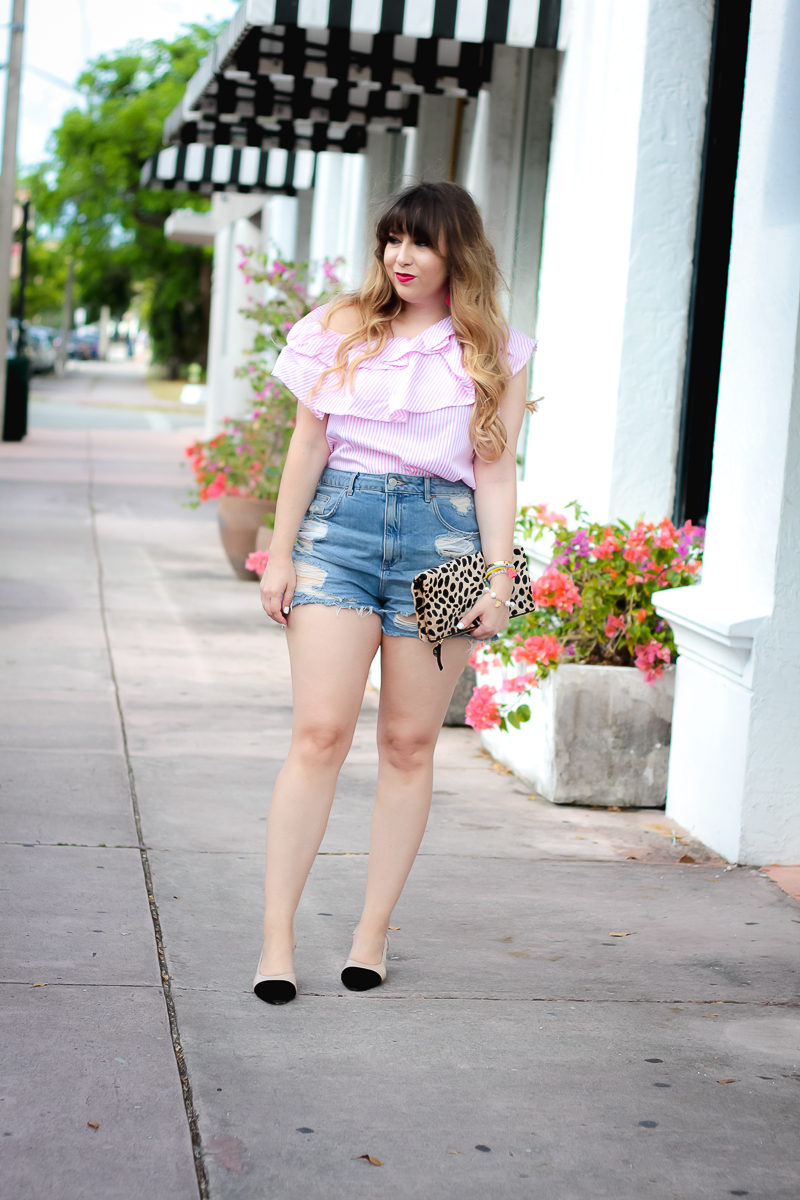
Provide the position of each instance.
(418, 213)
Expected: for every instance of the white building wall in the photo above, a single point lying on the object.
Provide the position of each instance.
(735, 760)
(616, 261)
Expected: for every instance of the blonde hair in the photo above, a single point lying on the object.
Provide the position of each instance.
(436, 211)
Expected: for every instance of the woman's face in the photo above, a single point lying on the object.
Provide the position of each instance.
(417, 270)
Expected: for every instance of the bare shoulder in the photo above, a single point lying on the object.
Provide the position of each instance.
(344, 319)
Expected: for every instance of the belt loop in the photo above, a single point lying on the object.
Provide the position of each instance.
(427, 479)
(352, 483)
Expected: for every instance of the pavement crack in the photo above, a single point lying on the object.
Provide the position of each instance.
(166, 986)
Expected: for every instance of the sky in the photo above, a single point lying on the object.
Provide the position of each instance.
(61, 36)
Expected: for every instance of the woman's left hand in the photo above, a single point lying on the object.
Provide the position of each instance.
(493, 619)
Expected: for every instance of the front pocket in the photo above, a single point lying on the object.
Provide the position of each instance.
(326, 501)
(468, 521)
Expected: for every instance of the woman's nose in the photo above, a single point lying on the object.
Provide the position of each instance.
(404, 253)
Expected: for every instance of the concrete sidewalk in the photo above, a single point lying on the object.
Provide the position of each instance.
(521, 1047)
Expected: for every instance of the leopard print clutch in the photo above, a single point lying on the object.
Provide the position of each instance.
(443, 594)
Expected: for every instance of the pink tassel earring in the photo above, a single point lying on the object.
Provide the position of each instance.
(447, 300)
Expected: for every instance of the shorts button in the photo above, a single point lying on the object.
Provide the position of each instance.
(390, 483)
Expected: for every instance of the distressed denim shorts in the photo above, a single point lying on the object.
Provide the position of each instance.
(365, 537)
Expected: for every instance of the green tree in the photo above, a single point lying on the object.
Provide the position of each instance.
(87, 196)
(44, 290)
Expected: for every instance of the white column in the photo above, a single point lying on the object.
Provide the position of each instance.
(735, 761)
(617, 252)
(229, 333)
(351, 235)
(383, 162)
(495, 166)
(327, 207)
(305, 201)
(282, 227)
(429, 152)
(535, 155)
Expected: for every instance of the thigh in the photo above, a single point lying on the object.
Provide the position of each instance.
(415, 694)
(330, 651)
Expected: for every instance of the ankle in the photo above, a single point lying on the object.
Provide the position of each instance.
(278, 935)
(371, 930)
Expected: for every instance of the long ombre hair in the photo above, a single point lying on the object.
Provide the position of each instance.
(436, 212)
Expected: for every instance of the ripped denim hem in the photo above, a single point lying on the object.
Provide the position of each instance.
(363, 610)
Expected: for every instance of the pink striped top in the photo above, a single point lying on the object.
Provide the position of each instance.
(410, 406)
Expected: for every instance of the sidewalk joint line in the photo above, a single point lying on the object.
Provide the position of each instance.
(76, 983)
(166, 987)
(399, 996)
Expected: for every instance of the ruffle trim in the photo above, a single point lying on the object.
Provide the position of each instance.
(309, 347)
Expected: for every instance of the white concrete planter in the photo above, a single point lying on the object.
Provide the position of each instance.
(597, 735)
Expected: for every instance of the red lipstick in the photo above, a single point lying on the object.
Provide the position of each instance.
(403, 278)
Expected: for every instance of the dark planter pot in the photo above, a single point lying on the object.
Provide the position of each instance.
(242, 529)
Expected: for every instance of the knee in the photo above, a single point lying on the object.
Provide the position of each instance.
(406, 749)
(321, 745)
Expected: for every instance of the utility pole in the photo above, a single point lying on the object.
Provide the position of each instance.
(8, 183)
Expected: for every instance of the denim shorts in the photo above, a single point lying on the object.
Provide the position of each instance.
(365, 537)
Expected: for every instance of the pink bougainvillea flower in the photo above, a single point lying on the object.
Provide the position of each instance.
(257, 561)
(606, 547)
(651, 659)
(478, 662)
(554, 589)
(613, 625)
(579, 545)
(666, 536)
(540, 648)
(547, 516)
(482, 711)
(520, 683)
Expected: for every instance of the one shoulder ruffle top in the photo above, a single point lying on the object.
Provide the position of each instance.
(409, 409)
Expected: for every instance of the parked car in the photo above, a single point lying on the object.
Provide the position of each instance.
(84, 343)
(13, 334)
(40, 346)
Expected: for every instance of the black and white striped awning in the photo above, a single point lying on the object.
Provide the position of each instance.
(265, 135)
(349, 62)
(221, 168)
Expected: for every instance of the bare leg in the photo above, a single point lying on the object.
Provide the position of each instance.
(414, 699)
(330, 651)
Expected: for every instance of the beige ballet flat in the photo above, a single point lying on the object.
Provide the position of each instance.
(275, 989)
(360, 977)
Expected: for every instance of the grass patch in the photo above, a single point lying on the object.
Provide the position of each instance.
(167, 389)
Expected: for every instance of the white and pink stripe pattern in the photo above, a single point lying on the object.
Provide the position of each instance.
(410, 407)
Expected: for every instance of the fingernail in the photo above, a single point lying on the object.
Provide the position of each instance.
(460, 625)
(286, 612)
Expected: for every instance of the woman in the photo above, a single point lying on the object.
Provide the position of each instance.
(412, 393)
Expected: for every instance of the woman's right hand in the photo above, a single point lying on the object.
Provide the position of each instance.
(277, 588)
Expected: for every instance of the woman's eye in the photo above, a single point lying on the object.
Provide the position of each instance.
(422, 242)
